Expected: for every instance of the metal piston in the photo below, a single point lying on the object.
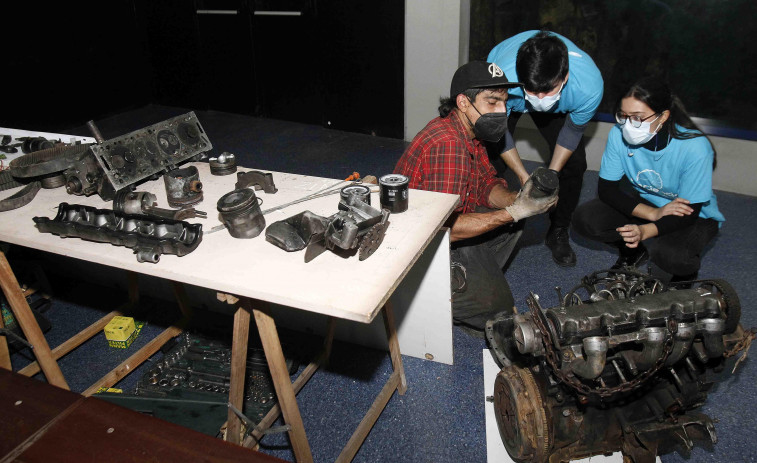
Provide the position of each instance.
(183, 186)
(240, 213)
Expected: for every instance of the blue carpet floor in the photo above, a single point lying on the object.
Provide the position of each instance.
(441, 417)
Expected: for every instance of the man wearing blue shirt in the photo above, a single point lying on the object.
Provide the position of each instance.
(562, 90)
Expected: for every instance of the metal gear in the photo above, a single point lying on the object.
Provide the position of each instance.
(520, 415)
(372, 240)
(47, 161)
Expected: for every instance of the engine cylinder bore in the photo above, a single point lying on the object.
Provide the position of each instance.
(240, 213)
(545, 181)
(361, 191)
(394, 192)
(183, 187)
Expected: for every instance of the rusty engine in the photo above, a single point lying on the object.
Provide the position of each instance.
(620, 365)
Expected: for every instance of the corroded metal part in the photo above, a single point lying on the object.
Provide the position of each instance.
(256, 179)
(148, 237)
(47, 161)
(621, 364)
(183, 186)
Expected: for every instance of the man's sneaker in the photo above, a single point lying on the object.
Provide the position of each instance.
(631, 257)
(558, 242)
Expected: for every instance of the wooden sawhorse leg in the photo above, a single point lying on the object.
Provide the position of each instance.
(87, 333)
(282, 383)
(272, 346)
(28, 324)
(397, 381)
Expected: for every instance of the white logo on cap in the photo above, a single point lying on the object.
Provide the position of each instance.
(495, 71)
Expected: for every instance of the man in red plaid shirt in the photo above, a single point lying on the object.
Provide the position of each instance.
(448, 156)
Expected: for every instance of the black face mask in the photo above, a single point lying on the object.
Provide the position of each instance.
(489, 127)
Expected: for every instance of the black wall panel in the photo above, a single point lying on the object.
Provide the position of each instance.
(65, 63)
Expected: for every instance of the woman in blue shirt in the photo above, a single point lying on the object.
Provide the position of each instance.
(655, 181)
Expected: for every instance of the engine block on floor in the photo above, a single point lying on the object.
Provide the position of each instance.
(620, 365)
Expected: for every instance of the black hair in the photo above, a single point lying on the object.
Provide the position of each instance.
(446, 105)
(655, 93)
(542, 62)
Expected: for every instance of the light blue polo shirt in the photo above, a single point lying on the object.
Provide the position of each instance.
(582, 92)
(683, 169)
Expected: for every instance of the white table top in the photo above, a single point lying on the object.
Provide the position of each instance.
(329, 284)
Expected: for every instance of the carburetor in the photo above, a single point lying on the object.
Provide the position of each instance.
(619, 365)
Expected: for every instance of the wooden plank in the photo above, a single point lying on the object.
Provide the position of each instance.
(299, 383)
(240, 336)
(128, 365)
(181, 298)
(269, 337)
(132, 281)
(73, 342)
(28, 324)
(394, 347)
(5, 356)
(353, 445)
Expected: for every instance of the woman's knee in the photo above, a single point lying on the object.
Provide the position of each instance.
(582, 221)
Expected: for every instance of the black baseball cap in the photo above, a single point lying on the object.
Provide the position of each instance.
(479, 74)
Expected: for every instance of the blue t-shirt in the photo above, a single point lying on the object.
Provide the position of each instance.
(582, 92)
(683, 169)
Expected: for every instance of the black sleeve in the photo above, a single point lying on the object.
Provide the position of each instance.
(610, 193)
(671, 223)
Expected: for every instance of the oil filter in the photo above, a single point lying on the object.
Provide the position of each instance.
(240, 212)
(393, 192)
(361, 191)
(545, 181)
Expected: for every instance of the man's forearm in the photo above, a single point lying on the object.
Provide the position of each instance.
(500, 197)
(559, 158)
(477, 223)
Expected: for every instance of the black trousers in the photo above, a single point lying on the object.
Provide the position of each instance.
(571, 175)
(678, 252)
(480, 290)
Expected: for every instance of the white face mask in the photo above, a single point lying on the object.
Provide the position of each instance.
(639, 135)
(546, 103)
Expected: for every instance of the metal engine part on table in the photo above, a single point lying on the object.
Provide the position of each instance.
(183, 186)
(142, 202)
(123, 161)
(256, 179)
(48, 161)
(620, 365)
(361, 191)
(240, 213)
(358, 226)
(197, 367)
(32, 144)
(223, 164)
(147, 236)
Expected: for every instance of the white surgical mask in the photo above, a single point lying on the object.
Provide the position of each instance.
(546, 103)
(639, 135)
